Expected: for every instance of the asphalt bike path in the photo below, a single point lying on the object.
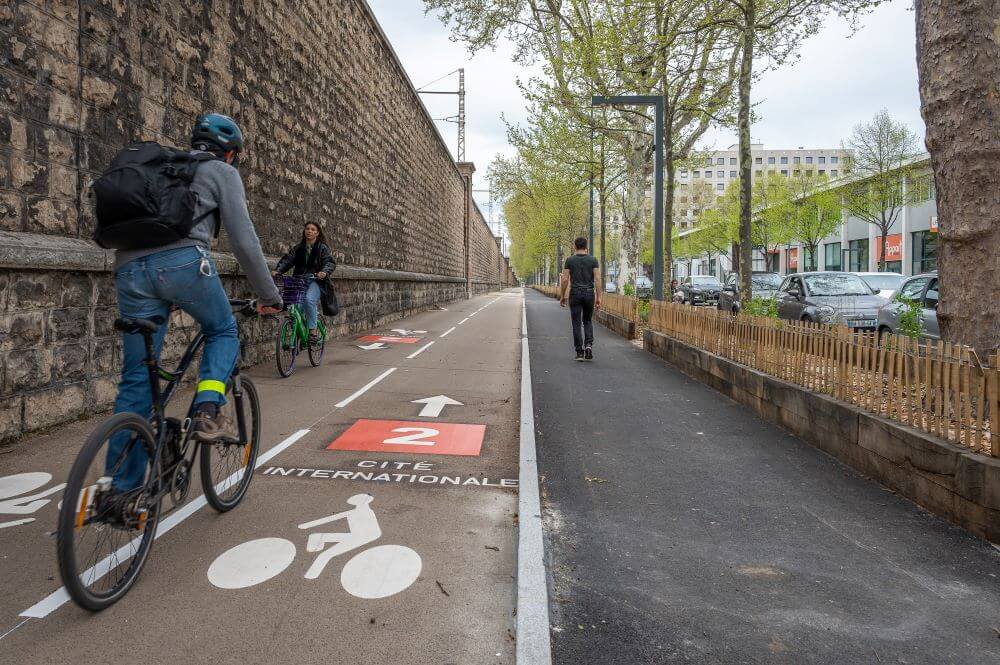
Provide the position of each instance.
(680, 528)
(380, 526)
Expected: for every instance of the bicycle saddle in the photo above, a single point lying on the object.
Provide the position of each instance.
(135, 325)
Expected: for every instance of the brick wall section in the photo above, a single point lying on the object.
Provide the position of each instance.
(336, 134)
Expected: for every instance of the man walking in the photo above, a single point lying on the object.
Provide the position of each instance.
(577, 285)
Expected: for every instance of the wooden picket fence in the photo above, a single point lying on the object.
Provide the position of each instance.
(550, 291)
(943, 389)
(626, 307)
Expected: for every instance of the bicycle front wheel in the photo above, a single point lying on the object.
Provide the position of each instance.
(109, 512)
(286, 347)
(227, 468)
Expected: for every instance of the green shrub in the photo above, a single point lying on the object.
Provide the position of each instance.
(629, 289)
(910, 322)
(644, 309)
(767, 307)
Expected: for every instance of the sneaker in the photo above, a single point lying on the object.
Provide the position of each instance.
(579, 355)
(588, 353)
(313, 337)
(211, 425)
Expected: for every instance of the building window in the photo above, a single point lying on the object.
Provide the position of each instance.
(784, 160)
(924, 251)
(732, 161)
(810, 260)
(834, 172)
(822, 160)
(708, 162)
(732, 174)
(720, 174)
(796, 173)
(720, 161)
(858, 261)
(831, 256)
(759, 160)
(684, 173)
(923, 188)
(809, 160)
(834, 160)
(770, 160)
(758, 173)
(720, 187)
(697, 174)
(822, 171)
(684, 199)
(809, 173)
(797, 160)
(784, 172)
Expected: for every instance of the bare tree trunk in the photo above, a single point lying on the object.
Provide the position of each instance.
(602, 185)
(881, 240)
(745, 79)
(958, 58)
(635, 192)
(668, 210)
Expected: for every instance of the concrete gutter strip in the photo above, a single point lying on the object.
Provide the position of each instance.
(34, 251)
(946, 479)
(533, 646)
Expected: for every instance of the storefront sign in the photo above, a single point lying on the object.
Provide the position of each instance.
(893, 248)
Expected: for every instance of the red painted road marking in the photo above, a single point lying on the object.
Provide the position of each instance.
(395, 340)
(420, 438)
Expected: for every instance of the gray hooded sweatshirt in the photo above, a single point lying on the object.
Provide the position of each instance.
(219, 186)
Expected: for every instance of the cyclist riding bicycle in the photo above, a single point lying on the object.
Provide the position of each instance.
(151, 281)
(311, 256)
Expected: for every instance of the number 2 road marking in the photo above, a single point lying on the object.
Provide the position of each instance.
(414, 439)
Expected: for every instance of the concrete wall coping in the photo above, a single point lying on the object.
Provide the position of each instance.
(35, 251)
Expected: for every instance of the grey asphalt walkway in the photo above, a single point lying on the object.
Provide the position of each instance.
(683, 529)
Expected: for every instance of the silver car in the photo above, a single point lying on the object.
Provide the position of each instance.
(923, 289)
(829, 297)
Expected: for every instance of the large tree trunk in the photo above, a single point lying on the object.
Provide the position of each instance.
(602, 185)
(958, 57)
(635, 195)
(743, 120)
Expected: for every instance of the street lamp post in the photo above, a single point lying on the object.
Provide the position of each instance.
(656, 101)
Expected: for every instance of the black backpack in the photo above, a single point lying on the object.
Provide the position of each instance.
(145, 199)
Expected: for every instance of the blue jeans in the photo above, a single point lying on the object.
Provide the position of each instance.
(147, 287)
(311, 304)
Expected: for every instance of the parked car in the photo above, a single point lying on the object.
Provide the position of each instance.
(701, 290)
(886, 282)
(764, 284)
(923, 289)
(830, 297)
(643, 287)
(611, 287)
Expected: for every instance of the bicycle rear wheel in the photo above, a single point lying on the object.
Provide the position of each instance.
(316, 349)
(104, 535)
(286, 347)
(227, 468)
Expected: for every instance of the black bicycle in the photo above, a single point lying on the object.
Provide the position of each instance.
(104, 532)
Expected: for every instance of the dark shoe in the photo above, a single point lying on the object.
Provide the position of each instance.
(313, 337)
(579, 355)
(211, 425)
(588, 353)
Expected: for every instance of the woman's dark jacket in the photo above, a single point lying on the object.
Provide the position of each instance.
(319, 260)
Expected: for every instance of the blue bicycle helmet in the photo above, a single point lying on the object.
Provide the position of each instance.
(216, 133)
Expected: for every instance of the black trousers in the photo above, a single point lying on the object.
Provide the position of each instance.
(581, 310)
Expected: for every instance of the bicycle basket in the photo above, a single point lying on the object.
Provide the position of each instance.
(293, 290)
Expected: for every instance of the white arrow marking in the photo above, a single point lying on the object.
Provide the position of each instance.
(375, 345)
(433, 406)
(405, 333)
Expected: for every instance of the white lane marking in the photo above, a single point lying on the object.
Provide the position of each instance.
(435, 405)
(463, 320)
(448, 331)
(381, 571)
(373, 346)
(533, 646)
(58, 598)
(368, 386)
(251, 563)
(21, 623)
(473, 314)
(420, 350)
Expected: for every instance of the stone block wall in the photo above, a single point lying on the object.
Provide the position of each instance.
(336, 134)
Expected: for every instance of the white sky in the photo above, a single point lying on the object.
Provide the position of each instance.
(838, 82)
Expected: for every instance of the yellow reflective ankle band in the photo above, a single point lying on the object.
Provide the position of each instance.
(209, 385)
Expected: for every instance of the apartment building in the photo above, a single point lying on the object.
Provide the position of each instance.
(713, 171)
(911, 244)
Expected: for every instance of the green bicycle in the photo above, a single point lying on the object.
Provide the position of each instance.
(293, 335)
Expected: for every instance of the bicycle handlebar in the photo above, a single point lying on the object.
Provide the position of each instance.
(246, 307)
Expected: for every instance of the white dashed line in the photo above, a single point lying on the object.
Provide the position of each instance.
(421, 349)
(449, 330)
(463, 320)
(361, 391)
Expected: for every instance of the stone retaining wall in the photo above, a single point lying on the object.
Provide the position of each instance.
(336, 134)
(949, 480)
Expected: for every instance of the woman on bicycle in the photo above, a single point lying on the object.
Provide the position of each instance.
(311, 256)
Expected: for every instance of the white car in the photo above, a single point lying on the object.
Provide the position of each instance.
(611, 287)
(887, 283)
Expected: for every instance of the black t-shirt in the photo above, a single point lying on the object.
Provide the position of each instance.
(581, 272)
